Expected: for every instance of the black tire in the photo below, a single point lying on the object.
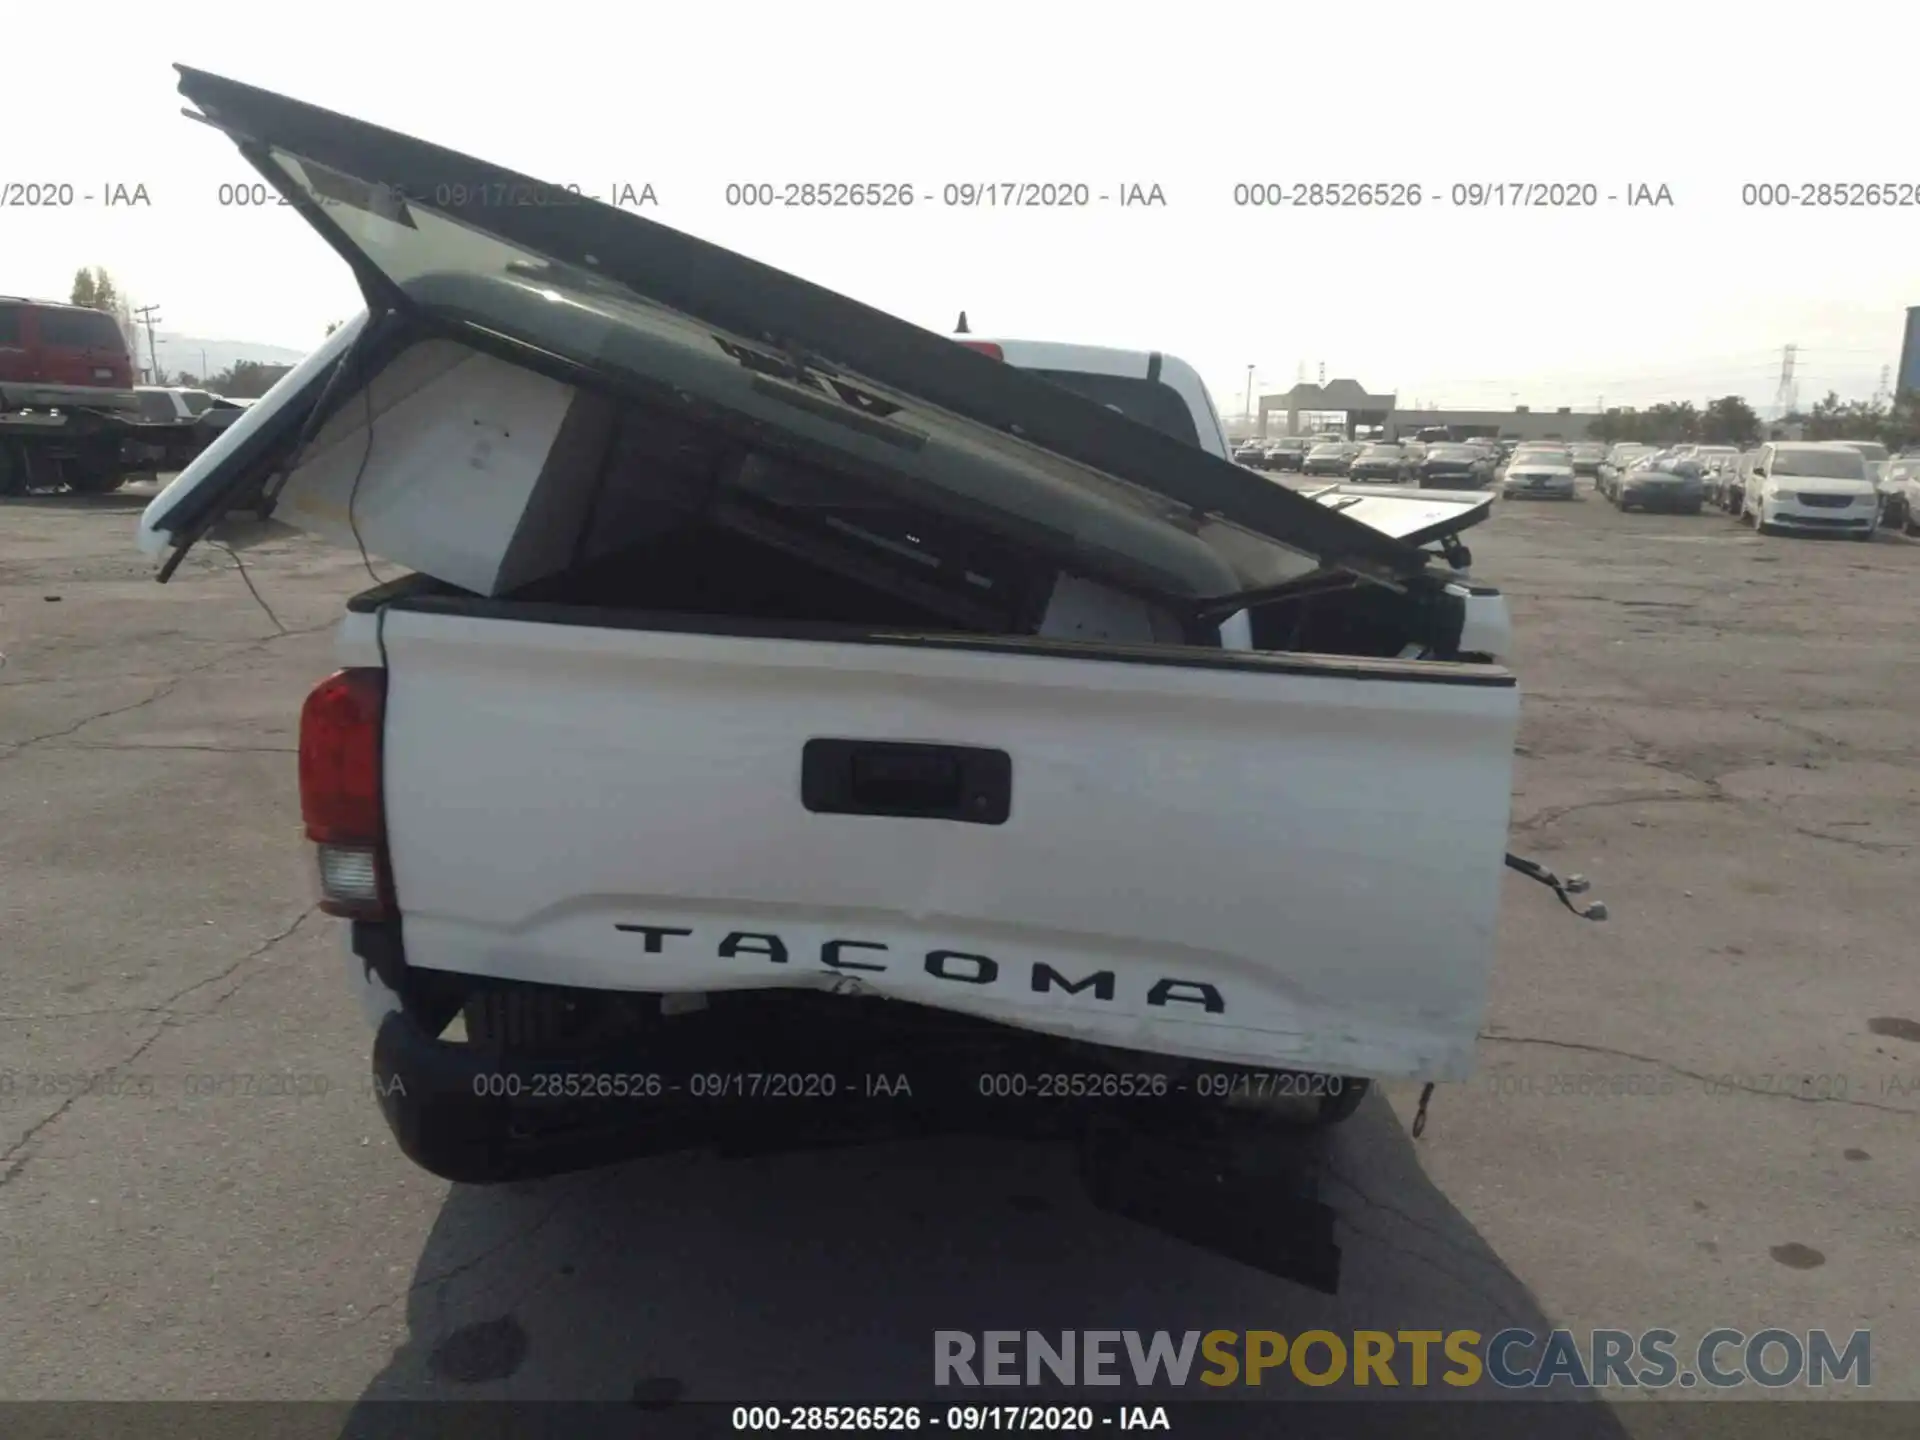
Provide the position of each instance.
(95, 481)
(1760, 527)
(13, 469)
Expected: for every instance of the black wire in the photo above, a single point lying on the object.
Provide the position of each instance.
(1536, 871)
(252, 589)
(308, 430)
(353, 493)
(353, 524)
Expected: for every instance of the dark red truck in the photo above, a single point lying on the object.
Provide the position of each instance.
(69, 413)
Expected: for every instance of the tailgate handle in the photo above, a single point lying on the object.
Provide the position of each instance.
(927, 782)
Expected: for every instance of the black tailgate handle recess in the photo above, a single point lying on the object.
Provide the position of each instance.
(925, 782)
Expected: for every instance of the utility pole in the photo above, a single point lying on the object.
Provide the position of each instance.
(1248, 412)
(149, 319)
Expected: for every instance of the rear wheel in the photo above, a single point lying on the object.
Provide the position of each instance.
(95, 480)
(13, 469)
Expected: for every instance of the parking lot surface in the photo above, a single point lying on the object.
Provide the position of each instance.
(1701, 1113)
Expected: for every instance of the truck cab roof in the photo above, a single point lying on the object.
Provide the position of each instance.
(1123, 380)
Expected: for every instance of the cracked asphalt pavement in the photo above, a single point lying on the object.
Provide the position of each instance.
(1700, 1113)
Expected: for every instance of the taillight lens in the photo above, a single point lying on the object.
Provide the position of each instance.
(986, 347)
(340, 791)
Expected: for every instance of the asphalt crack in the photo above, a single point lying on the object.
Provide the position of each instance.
(165, 1008)
(199, 749)
(1553, 813)
(20, 1154)
(160, 693)
(1724, 1082)
(1714, 791)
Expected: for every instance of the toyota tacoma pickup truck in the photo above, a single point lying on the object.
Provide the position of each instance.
(784, 703)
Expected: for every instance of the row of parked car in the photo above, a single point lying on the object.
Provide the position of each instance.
(1850, 487)
(1437, 465)
(1837, 486)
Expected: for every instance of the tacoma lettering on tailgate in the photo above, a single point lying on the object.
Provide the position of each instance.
(962, 967)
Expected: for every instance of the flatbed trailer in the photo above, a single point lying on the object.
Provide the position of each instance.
(89, 450)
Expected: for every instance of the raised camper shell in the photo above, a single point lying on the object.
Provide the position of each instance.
(1286, 859)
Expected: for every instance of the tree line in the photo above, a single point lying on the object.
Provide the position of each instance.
(1729, 420)
(94, 288)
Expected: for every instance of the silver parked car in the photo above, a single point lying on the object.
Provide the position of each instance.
(1900, 495)
(1543, 472)
(1382, 461)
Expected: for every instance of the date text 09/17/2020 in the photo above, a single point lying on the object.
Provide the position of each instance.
(830, 1085)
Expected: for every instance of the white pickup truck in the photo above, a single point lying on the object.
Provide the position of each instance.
(787, 701)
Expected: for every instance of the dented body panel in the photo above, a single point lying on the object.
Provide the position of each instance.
(1292, 863)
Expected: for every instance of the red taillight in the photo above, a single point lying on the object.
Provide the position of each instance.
(986, 347)
(340, 793)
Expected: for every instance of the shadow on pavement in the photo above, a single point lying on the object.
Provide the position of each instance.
(822, 1276)
(64, 500)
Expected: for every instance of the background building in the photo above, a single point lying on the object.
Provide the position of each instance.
(1352, 407)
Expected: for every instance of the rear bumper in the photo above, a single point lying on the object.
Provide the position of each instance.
(1789, 514)
(1829, 523)
(469, 1115)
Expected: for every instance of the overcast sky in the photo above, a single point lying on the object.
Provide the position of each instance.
(1461, 306)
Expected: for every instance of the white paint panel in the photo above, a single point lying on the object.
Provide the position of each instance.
(457, 441)
(1325, 851)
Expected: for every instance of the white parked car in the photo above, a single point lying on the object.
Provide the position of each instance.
(1810, 486)
(1539, 472)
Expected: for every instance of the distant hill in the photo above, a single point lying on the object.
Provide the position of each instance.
(201, 357)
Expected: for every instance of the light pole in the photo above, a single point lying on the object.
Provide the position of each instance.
(149, 319)
(1248, 411)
